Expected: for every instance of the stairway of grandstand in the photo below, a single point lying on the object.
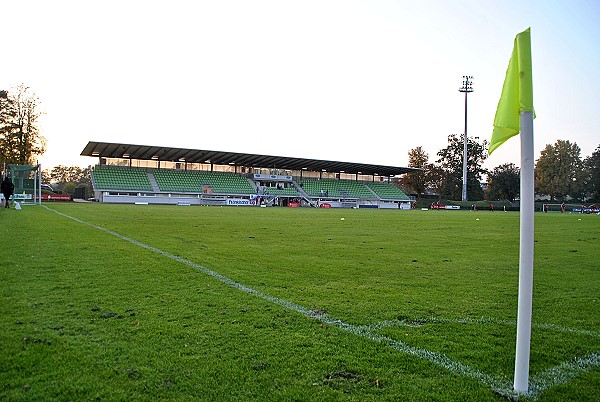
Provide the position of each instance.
(125, 179)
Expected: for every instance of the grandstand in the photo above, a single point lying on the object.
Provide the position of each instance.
(128, 173)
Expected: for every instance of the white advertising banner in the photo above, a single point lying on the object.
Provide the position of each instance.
(239, 202)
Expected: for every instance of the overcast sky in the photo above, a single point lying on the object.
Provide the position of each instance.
(359, 81)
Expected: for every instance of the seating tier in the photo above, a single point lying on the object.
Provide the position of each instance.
(121, 178)
(387, 191)
(202, 182)
(335, 188)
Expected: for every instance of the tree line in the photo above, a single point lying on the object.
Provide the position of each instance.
(560, 173)
(65, 179)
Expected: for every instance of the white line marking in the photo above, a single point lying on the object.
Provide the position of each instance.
(562, 373)
(483, 320)
(544, 380)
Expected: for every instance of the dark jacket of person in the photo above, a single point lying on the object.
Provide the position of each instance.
(8, 188)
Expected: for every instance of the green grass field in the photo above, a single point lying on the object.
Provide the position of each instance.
(132, 302)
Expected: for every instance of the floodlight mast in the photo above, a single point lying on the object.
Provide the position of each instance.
(467, 86)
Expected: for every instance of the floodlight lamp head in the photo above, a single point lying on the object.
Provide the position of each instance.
(467, 84)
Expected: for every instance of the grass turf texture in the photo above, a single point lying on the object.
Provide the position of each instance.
(88, 315)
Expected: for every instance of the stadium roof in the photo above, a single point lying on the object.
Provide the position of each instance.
(147, 152)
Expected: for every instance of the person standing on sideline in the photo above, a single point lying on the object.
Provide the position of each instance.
(562, 208)
(8, 188)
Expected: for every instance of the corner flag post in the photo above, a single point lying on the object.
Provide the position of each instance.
(515, 114)
(521, 380)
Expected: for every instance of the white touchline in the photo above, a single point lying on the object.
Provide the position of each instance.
(544, 380)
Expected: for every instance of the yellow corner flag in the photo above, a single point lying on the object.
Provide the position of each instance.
(517, 92)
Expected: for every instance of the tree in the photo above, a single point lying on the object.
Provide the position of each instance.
(7, 113)
(592, 167)
(436, 178)
(67, 178)
(20, 138)
(417, 181)
(559, 171)
(451, 162)
(504, 182)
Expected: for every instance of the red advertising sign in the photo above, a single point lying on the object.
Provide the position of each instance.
(57, 197)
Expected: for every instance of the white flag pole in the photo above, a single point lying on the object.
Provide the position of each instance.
(521, 384)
